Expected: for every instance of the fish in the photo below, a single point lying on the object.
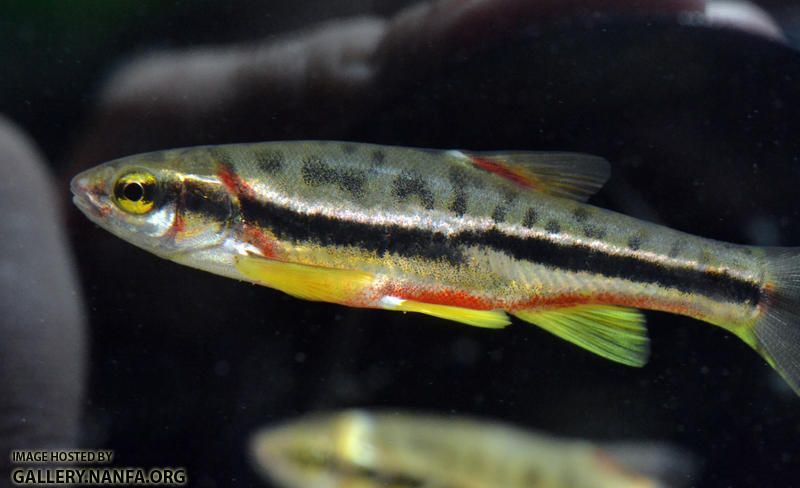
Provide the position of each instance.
(389, 448)
(471, 237)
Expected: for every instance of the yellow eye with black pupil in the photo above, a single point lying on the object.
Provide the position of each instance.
(135, 192)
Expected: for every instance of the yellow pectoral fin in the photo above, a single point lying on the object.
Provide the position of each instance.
(304, 281)
(492, 319)
(616, 333)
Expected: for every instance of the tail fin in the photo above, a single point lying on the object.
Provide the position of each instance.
(776, 333)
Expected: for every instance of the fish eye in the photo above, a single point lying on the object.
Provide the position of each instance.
(134, 192)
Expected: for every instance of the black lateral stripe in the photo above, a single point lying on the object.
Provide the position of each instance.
(294, 226)
(204, 198)
(394, 239)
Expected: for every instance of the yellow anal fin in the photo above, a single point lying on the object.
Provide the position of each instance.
(304, 281)
(491, 319)
(568, 175)
(616, 333)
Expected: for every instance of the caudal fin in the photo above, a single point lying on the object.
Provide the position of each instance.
(776, 333)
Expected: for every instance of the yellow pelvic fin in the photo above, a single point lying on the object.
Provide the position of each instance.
(305, 281)
(490, 319)
(616, 333)
(568, 175)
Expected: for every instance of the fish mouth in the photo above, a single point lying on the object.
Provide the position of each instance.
(86, 200)
(83, 204)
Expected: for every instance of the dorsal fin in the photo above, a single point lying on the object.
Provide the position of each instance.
(567, 175)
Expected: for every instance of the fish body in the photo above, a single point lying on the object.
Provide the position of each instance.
(373, 449)
(470, 237)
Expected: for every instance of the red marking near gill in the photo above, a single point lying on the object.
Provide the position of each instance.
(439, 296)
(504, 171)
(233, 182)
(269, 247)
(178, 224)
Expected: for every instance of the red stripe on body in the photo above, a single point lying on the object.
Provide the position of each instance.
(270, 248)
(465, 299)
(439, 296)
(575, 299)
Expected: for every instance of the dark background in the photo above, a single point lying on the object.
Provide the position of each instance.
(701, 125)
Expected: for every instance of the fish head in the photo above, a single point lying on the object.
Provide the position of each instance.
(319, 451)
(169, 203)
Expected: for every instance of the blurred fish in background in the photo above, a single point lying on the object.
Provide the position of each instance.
(365, 449)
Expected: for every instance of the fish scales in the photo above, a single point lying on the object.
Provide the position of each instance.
(454, 234)
(403, 208)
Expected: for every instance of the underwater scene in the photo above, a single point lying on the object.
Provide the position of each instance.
(399, 243)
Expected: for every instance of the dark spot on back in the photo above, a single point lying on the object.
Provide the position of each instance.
(553, 227)
(348, 148)
(635, 241)
(499, 213)
(459, 205)
(594, 232)
(269, 161)
(675, 250)
(580, 214)
(530, 218)
(378, 156)
(316, 172)
(410, 183)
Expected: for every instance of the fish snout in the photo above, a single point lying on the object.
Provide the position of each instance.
(89, 196)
